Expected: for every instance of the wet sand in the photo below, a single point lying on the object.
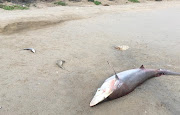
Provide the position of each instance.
(32, 83)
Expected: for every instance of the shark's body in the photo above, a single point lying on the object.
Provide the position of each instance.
(125, 82)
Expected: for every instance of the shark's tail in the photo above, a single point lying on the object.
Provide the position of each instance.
(167, 72)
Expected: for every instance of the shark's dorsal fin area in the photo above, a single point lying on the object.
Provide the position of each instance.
(142, 67)
(117, 78)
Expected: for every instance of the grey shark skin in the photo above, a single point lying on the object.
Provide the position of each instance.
(125, 82)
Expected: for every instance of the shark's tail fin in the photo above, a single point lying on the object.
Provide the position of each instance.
(167, 72)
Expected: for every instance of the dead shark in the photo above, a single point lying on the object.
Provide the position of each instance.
(125, 82)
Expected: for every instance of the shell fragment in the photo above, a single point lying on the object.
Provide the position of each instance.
(60, 63)
(123, 47)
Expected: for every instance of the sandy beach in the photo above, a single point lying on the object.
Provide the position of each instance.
(32, 83)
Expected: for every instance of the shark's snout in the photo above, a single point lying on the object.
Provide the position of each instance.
(99, 96)
(93, 102)
(104, 91)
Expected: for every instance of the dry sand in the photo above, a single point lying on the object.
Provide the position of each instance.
(32, 83)
(18, 20)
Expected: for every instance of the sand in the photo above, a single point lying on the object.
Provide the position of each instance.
(32, 83)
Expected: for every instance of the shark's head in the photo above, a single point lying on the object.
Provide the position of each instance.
(105, 90)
